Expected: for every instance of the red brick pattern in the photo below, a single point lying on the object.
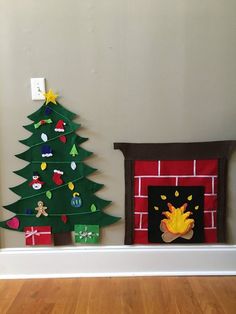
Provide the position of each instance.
(177, 173)
(141, 237)
(204, 167)
(145, 168)
(154, 181)
(209, 219)
(210, 202)
(144, 220)
(140, 204)
(137, 221)
(196, 181)
(137, 185)
(178, 167)
(210, 235)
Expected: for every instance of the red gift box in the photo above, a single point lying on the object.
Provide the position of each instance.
(38, 235)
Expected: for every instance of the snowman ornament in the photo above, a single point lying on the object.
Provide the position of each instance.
(36, 183)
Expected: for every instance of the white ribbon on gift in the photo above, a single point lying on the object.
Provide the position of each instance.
(33, 233)
(87, 235)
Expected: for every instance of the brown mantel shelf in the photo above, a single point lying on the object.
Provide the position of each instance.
(175, 151)
(220, 150)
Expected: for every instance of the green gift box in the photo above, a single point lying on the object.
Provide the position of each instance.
(86, 233)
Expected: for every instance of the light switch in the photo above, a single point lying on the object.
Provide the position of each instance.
(37, 88)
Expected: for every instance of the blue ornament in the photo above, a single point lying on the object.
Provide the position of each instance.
(76, 200)
(46, 151)
(28, 211)
(48, 111)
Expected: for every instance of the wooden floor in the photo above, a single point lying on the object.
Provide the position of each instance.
(144, 295)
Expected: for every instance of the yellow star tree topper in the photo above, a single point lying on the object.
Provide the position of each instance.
(50, 97)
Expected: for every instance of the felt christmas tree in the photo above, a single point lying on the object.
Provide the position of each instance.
(56, 193)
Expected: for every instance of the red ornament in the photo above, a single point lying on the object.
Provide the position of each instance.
(62, 139)
(60, 126)
(64, 218)
(57, 179)
(13, 223)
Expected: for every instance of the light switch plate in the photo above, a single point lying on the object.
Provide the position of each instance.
(37, 88)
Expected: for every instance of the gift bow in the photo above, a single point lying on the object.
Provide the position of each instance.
(41, 122)
(31, 233)
(87, 234)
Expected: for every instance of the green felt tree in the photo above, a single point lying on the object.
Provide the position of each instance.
(56, 192)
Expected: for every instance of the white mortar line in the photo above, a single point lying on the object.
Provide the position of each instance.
(159, 168)
(142, 212)
(140, 221)
(141, 229)
(139, 186)
(194, 167)
(173, 176)
(141, 196)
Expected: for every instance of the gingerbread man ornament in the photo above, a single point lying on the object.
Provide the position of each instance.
(41, 209)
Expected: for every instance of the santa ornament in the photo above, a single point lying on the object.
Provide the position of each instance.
(60, 126)
(57, 177)
(36, 183)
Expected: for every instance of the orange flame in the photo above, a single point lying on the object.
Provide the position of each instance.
(177, 222)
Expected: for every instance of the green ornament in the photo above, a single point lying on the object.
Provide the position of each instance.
(93, 208)
(49, 194)
(74, 151)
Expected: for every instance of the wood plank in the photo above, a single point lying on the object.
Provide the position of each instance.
(139, 295)
(8, 292)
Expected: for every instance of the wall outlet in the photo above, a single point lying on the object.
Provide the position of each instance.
(37, 88)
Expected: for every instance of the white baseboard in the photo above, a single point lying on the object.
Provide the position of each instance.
(109, 261)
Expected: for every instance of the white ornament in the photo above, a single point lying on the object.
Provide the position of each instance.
(44, 137)
(73, 165)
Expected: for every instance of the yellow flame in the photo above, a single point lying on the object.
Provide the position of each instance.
(163, 197)
(177, 221)
(176, 193)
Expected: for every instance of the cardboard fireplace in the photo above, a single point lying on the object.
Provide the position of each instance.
(176, 192)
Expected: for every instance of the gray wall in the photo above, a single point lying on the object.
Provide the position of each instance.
(134, 70)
